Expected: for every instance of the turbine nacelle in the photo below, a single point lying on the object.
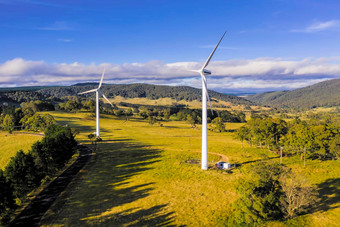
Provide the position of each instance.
(206, 72)
(202, 71)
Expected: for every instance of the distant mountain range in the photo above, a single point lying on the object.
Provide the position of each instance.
(326, 93)
(110, 90)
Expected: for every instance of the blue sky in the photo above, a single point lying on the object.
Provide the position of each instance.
(270, 44)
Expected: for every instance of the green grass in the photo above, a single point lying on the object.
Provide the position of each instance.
(139, 176)
(10, 144)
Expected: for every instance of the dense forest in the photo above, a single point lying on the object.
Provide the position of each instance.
(326, 93)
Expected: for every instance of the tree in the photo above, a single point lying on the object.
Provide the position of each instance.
(6, 194)
(90, 105)
(298, 138)
(271, 193)
(152, 120)
(298, 195)
(243, 134)
(166, 114)
(38, 122)
(55, 149)
(191, 121)
(143, 113)
(218, 125)
(72, 106)
(260, 196)
(334, 148)
(322, 136)
(23, 173)
(129, 112)
(8, 123)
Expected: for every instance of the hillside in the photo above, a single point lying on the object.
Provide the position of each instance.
(326, 93)
(142, 91)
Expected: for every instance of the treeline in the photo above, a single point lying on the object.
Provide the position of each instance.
(316, 138)
(21, 96)
(142, 91)
(26, 171)
(26, 116)
(192, 116)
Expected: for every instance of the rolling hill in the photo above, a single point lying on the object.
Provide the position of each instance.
(323, 94)
(124, 90)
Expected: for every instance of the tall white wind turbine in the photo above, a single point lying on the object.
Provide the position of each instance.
(98, 91)
(205, 96)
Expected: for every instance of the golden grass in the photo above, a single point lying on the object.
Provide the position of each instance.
(171, 102)
(139, 176)
(10, 144)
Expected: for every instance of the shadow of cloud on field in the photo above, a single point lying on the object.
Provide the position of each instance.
(75, 122)
(329, 194)
(108, 185)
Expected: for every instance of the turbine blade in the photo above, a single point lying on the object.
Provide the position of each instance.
(206, 91)
(212, 53)
(196, 71)
(101, 80)
(93, 90)
(105, 98)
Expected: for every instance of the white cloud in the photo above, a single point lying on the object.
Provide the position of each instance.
(65, 40)
(320, 26)
(249, 74)
(58, 26)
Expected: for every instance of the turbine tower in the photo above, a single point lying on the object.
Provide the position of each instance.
(205, 96)
(98, 91)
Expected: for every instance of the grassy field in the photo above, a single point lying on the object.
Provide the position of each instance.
(139, 176)
(216, 104)
(10, 144)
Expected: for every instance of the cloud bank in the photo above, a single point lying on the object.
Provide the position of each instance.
(248, 75)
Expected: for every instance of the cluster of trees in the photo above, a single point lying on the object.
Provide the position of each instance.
(314, 137)
(192, 116)
(26, 171)
(273, 192)
(26, 116)
(72, 104)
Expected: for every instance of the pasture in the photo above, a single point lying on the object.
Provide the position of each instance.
(10, 144)
(139, 175)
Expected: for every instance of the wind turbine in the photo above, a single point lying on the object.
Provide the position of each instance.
(205, 96)
(98, 91)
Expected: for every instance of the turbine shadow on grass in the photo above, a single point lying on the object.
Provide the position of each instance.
(141, 217)
(82, 128)
(94, 198)
(75, 122)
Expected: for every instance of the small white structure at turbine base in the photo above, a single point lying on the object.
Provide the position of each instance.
(205, 96)
(98, 91)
